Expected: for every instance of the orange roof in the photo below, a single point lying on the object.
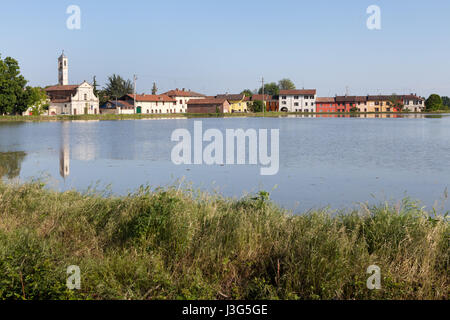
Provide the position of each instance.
(207, 101)
(62, 88)
(183, 93)
(325, 100)
(151, 98)
(298, 92)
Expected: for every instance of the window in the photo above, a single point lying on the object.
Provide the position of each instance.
(306, 103)
(296, 97)
(283, 97)
(284, 102)
(296, 104)
(85, 96)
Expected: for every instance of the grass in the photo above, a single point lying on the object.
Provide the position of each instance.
(190, 115)
(184, 244)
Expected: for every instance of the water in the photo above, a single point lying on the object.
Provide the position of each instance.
(334, 162)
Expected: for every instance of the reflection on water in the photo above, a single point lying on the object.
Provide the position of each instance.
(10, 164)
(64, 154)
(333, 160)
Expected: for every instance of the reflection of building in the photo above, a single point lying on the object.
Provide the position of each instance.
(64, 153)
(71, 99)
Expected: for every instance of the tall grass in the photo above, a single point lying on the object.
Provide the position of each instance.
(183, 244)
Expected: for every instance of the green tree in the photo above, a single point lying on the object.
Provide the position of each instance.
(396, 102)
(256, 106)
(247, 92)
(271, 89)
(36, 99)
(95, 85)
(12, 87)
(286, 84)
(446, 102)
(154, 88)
(434, 103)
(117, 87)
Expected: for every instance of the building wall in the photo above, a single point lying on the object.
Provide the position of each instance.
(238, 106)
(298, 103)
(157, 107)
(84, 101)
(182, 103)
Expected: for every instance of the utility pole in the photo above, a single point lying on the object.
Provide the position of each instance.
(264, 105)
(134, 92)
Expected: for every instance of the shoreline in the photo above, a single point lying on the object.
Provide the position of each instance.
(109, 117)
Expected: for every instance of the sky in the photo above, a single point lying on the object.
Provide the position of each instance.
(213, 47)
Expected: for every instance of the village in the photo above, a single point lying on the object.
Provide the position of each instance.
(80, 99)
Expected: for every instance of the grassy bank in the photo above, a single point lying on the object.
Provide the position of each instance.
(173, 244)
(177, 116)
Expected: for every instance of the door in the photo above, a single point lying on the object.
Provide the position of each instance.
(139, 110)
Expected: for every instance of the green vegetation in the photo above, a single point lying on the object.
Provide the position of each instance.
(183, 244)
(434, 103)
(15, 96)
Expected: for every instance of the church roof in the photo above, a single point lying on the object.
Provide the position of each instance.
(62, 88)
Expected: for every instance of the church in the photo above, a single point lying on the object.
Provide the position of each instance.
(66, 99)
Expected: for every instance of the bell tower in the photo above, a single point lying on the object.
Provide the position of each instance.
(63, 70)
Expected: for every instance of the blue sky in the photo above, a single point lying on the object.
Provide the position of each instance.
(226, 46)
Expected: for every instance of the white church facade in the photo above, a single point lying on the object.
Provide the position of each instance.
(68, 99)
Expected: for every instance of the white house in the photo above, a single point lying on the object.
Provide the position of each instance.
(71, 99)
(149, 103)
(182, 98)
(413, 103)
(298, 100)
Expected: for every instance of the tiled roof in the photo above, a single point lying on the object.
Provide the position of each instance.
(232, 97)
(302, 92)
(325, 100)
(62, 88)
(120, 103)
(183, 93)
(206, 101)
(351, 99)
(151, 98)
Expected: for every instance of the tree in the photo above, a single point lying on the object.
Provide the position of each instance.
(434, 103)
(286, 84)
(256, 106)
(37, 100)
(271, 89)
(396, 102)
(95, 85)
(117, 87)
(154, 89)
(446, 102)
(247, 92)
(12, 87)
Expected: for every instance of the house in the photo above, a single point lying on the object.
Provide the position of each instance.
(151, 103)
(272, 102)
(326, 104)
(413, 103)
(351, 103)
(208, 105)
(182, 97)
(117, 107)
(238, 102)
(298, 100)
(71, 99)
